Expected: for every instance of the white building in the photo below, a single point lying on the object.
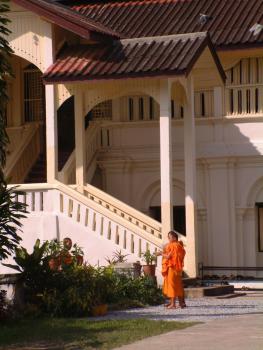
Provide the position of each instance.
(150, 118)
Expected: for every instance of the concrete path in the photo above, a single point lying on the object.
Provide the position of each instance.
(234, 333)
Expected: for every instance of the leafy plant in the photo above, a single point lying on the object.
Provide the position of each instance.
(77, 250)
(54, 248)
(5, 71)
(11, 212)
(33, 269)
(118, 257)
(149, 258)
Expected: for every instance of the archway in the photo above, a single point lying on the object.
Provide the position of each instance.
(25, 122)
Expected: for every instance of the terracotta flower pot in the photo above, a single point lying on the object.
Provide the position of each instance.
(79, 260)
(53, 264)
(99, 310)
(67, 243)
(149, 270)
(67, 259)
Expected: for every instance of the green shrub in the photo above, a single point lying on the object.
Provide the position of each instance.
(73, 290)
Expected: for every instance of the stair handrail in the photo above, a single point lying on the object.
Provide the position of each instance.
(67, 173)
(75, 195)
(128, 213)
(14, 158)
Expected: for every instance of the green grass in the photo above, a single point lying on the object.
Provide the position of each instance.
(81, 333)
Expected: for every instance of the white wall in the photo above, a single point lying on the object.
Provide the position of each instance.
(229, 164)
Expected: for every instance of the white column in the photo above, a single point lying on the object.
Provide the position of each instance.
(80, 140)
(51, 133)
(166, 158)
(190, 181)
(51, 111)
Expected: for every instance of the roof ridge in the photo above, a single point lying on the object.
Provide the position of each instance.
(167, 37)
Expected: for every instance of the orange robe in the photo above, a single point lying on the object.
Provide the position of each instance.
(172, 269)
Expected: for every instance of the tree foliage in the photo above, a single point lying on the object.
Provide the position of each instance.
(11, 211)
(5, 70)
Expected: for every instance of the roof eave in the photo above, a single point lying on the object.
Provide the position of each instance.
(160, 74)
(68, 20)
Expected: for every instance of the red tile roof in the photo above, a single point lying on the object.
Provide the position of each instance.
(69, 19)
(228, 26)
(145, 57)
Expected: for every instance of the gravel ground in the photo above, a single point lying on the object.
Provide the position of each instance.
(202, 310)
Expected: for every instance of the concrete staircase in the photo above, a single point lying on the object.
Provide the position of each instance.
(38, 173)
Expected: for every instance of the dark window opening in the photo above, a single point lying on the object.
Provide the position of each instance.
(172, 109)
(239, 101)
(182, 112)
(256, 101)
(231, 101)
(202, 104)
(151, 111)
(178, 216)
(130, 109)
(141, 108)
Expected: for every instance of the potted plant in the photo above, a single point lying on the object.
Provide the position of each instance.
(54, 252)
(150, 266)
(78, 254)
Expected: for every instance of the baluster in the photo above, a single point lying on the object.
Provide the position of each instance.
(122, 237)
(31, 202)
(37, 201)
(97, 226)
(74, 210)
(136, 245)
(94, 221)
(82, 214)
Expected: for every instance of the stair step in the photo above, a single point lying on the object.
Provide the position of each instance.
(37, 173)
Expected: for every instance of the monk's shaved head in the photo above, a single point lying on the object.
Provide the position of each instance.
(173, 234)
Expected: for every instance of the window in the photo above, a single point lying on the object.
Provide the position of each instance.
(182, 112)
(131, 109)
(34, 101)
(102, 111)
(231, 93)
(202, 95)
(256, 101)
(151, 110)
(260, 226)
(239, 101)
(172, 109)
(141, 108)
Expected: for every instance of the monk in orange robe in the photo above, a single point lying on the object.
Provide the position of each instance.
(172, 268)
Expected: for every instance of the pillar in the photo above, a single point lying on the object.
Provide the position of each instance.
(80, 146)
(51, 134)
(166, 158)
(190, 181)
(51, 110)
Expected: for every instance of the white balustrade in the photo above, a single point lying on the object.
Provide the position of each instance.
(65, 201)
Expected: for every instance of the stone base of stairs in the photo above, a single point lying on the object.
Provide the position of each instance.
(216, 290)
